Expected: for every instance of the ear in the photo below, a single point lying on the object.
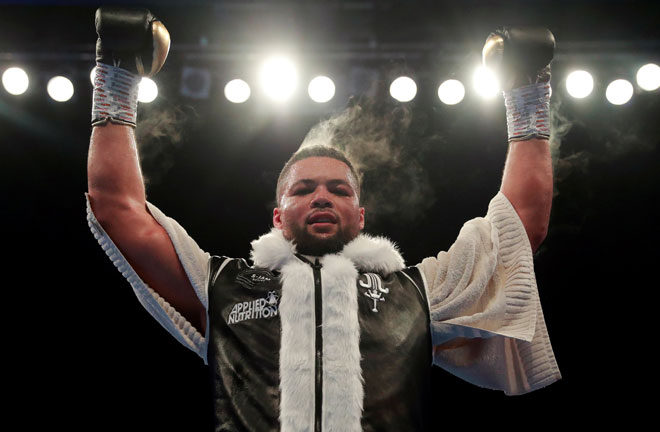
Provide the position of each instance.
(361, 218)
(277, 218)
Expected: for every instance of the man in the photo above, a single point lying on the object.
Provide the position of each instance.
(328, 329)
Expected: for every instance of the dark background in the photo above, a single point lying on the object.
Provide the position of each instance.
(82, 354)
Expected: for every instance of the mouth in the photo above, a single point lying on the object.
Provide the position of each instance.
(322, 218)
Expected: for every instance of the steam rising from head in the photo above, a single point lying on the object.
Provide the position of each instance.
(379, 136)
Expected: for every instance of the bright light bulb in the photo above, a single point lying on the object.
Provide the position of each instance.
(15, 81)
(485, 82)
(92, 75)
(403, 89)
(619, 92)
(60, 88)
(147, 90)
(648, 77)
(451, 92)
(237, 91)
(579, 84)
(321, 89)
(279, 78)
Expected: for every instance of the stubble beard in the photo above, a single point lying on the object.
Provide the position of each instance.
(309, 244)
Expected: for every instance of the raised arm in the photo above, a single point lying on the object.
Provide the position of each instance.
(132, 40)
(528, 185)
(521, 57)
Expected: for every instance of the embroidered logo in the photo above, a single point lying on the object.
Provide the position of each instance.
(255, 309)
(249, 278)
(374, 285)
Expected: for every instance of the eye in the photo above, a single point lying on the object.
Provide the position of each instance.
(342, 192)
(302, 191)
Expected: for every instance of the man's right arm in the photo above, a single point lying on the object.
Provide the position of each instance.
(117, 197)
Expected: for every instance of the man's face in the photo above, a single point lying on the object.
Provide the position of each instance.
(319, 207)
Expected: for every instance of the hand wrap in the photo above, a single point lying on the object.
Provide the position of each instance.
(528, 112)
(115, 96)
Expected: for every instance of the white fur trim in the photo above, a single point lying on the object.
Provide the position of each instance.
(343, 390)
(272, 250)
(297, 349)
(375, 254)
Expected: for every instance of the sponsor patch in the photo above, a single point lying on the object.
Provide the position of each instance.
(262, 308)
(250, 278)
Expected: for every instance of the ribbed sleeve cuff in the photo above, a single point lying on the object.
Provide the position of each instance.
(525, 321)
(156, 305)
(510, 240)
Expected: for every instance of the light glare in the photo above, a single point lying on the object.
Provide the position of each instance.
(60, 89)
(92, 74)
(579, 84)
(619, 92)
(648, 77)
(279, 78)
(15, 81)
(321, 89)
(237, 91)
(403, 89)
(147, 90)
(451, 92)
(485, 82)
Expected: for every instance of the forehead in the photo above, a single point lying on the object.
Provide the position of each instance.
(319, 169)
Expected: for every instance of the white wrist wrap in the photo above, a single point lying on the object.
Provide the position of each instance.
(528, 112)
(115, 95)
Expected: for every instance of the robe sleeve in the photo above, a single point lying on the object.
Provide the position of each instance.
(486, 319)
(195, 263)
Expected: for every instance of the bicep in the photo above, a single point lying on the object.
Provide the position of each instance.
(148, 248)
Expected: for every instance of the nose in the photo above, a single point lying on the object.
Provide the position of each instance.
(321, 199)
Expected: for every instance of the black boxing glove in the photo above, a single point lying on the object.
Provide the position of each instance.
(132, 39)
(132, 44)
(520, 57)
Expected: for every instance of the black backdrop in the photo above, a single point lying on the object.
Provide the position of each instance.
(81, 353)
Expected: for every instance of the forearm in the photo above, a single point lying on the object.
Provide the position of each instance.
(528, 184)
(114, 177)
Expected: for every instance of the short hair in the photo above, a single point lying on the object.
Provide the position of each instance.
(316, 150)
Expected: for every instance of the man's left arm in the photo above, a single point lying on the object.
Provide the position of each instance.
(487, 323)
(528, 184)
(521, 58)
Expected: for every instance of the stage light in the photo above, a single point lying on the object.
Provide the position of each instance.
(619, 92)
(579, 84)
(237, 91)
(147, 90)
(60, 88)
(321, 89)
(648, 77)
(15, 81)
(485, 82)
(451, 92)
(92, 75)
(279, 78)
(403, 89)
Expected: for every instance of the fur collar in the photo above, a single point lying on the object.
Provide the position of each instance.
(367, 253)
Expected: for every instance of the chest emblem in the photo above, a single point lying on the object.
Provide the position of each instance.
(374, 288)
(262, 308)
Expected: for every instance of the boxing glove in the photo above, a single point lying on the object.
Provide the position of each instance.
(132, 39)
(131, 44)
(519, 56)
